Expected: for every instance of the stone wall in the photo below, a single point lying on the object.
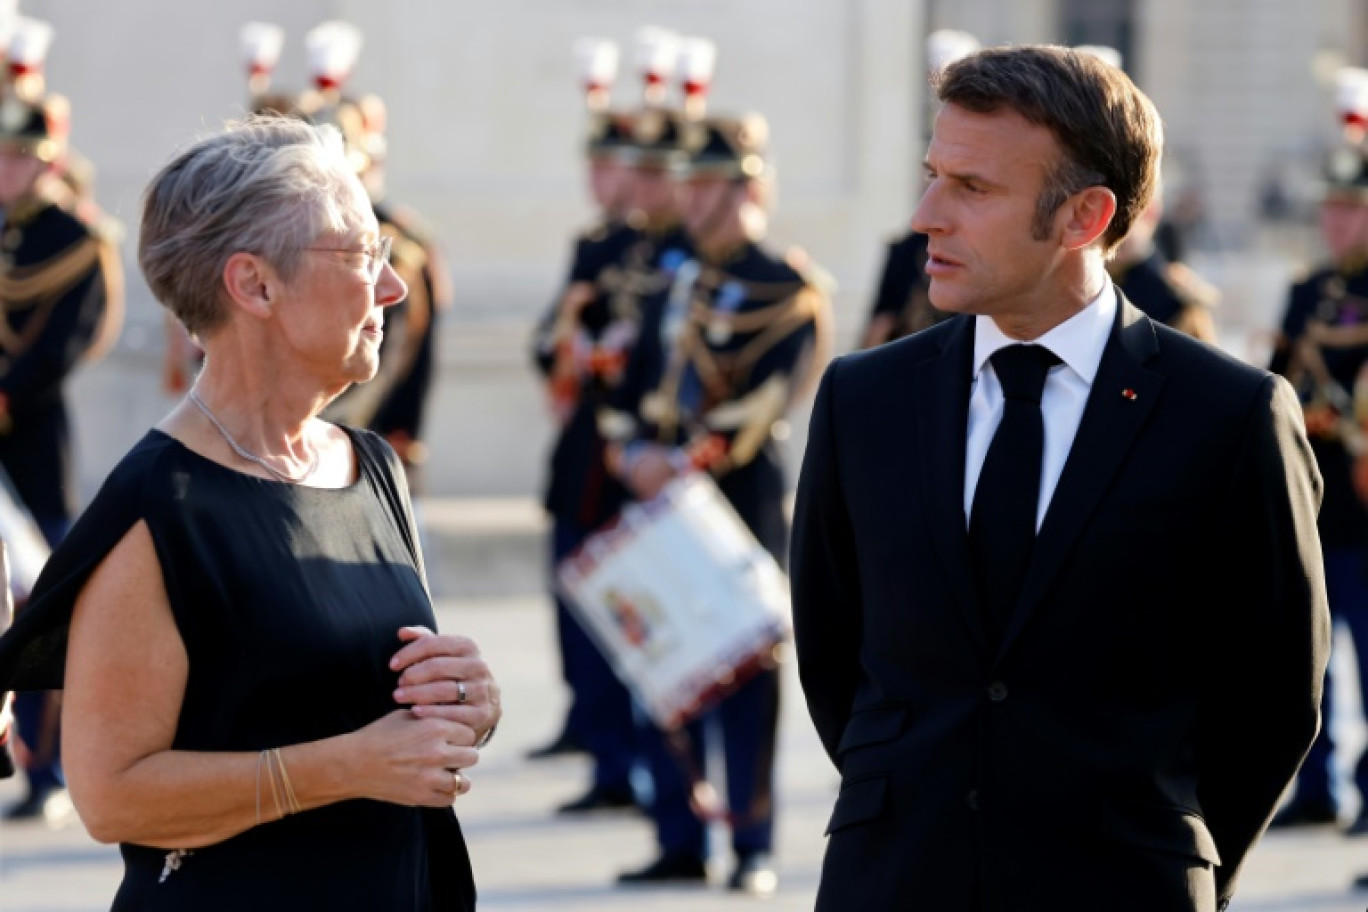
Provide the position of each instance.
(485, 128)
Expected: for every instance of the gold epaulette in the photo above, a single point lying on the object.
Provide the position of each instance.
(108, 229)
(811, 273)
(806, 307)
(112, 318)
(594, 232)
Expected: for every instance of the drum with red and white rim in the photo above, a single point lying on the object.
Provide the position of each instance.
(684, 602)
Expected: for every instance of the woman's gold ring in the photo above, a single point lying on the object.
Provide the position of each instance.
(461, 695)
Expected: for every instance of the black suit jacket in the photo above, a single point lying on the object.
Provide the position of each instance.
(1159, 683)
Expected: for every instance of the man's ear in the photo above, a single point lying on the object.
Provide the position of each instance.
(251, 284)
(1086, 216)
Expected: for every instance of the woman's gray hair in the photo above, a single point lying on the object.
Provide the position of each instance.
(267, 185)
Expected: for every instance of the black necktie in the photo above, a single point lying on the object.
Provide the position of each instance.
(1002, 522)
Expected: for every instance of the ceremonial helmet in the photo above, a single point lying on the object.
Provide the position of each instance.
(31, 120)
(657, 135)
(332, 49)
(732, 147)
(1346, 173)
(610, 132)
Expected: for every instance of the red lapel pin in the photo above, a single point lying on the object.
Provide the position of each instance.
(1129, 393)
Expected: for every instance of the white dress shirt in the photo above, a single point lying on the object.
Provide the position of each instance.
(1078, 343)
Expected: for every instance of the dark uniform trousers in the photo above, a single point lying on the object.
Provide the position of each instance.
(621, 264)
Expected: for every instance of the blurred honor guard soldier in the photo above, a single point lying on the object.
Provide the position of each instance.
(563, 351)
(901, 304)
(393, 403)
(723, 355)
(588, 343)
(1026, 713)
(1166, 291)
(1323, 349)
(59, 285)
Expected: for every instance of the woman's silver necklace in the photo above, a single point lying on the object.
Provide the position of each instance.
(248, 454)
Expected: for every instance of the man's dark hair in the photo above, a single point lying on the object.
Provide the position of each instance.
(1108, 131)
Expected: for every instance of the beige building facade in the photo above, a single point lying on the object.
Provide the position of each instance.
(485, 128)
(486, 121)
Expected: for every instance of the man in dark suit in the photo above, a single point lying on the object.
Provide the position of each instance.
(1060, 612)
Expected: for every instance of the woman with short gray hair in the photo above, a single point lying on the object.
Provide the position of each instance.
(257, 708)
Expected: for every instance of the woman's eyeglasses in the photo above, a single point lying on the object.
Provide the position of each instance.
(377, 255)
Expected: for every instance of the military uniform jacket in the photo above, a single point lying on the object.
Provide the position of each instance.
(585, 363)
(1149, 289)
(57, 278)
(1323, 350)
(903, 287)
(391, 403)
(723, 355)
(399, 414)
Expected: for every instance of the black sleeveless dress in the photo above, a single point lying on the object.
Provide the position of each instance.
(289, 600)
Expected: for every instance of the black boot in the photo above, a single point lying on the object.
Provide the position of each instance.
(600, 798)
(670, 868)
(564, 746)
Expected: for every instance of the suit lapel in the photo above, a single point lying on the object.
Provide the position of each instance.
(941, 403)
(1123, 393)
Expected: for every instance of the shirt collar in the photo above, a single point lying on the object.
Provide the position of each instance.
(1078, 341)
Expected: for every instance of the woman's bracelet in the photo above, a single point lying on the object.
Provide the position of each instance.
(292, 804)
(281, 786)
